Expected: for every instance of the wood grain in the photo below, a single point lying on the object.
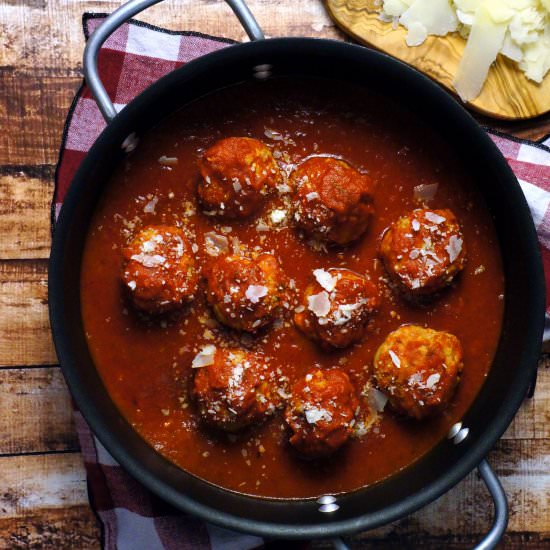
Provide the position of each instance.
(32, 114)
(468, 508)
(25, 196)
(58, 24)
(507, 93)
(43, 503)
(36, 412)
(45, 481)
(24, 325)
(533, 420)
(70, 527)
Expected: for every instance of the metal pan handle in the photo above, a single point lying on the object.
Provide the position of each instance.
(500, 521)
(120, 16)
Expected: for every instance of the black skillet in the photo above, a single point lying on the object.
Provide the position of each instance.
(515, 363)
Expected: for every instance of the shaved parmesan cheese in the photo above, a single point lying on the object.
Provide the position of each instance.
(436, 16)
(311, 196)
(149, 208)
(454, 248)
(262, 226)
(215, 244)
(273, 134)
(377, 400)
(325, 279)
(484, 43)
(434, 218)
(149, 260)
(205, 357)
(313, 415)
(395, 360)
(319, 304)
(425, 191)
(510, 49)
(417, 34)
(168, 161)
(517, 29)
(395, 8)
(277, 216)
(255, 292)
(536, 60)
(433, 379)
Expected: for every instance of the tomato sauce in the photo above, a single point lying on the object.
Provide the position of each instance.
(146, 363)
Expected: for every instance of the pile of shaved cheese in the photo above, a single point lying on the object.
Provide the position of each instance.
(517, 29)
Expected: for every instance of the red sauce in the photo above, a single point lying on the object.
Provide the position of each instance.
(146, 364)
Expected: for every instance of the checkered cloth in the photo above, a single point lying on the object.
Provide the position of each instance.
(133, 58)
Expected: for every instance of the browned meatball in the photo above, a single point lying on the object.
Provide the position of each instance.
(236, 389)
(336, 307)
(237, 173)
(418, 369)
(159, 270)
(423, 251)
(334, 201)
(321, 412)
(246, 294)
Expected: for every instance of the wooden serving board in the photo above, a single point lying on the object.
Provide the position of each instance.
(507, 93)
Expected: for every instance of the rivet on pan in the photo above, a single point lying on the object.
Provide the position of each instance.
(326, 499)
(328, 508)
(461, 436)
(130, 143)
(455, 428)
(262, 71)
(328, 504)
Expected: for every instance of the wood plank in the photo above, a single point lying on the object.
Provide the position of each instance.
(24, 326)
(46, 481)
(74, 527)
(533, 419)
(510, 541)
(44, 503)
(32, 114)
(59, 25)
(36, 412)
(25, 195)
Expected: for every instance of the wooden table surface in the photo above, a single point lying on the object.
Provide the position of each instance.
(43, 500)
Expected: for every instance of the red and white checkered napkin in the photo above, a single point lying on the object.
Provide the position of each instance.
(132, 59)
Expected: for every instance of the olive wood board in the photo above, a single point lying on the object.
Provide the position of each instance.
(507, 93)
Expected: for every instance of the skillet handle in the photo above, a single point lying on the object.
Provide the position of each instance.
(500, 521)
(120, 16)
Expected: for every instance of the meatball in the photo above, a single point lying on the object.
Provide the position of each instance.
(237, 173)
(423, 251)
(236, 389)
(321, 412)
(159, 269)
(333, 200)
(336, 307)
(418, 369)
(246, 294)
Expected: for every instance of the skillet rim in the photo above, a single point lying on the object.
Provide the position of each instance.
(491, 433)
